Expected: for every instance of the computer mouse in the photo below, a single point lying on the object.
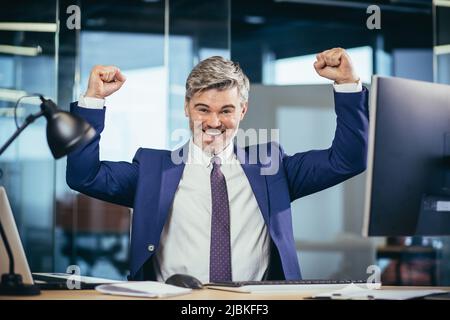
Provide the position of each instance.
(185, 281)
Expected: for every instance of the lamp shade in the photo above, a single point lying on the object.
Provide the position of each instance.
(65, 131)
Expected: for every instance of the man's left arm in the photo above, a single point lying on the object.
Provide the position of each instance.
(312, 171)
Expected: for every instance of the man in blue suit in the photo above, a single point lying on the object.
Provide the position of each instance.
(211, 209)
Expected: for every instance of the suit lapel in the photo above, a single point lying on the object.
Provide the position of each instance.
(172, 171)
(257, 181)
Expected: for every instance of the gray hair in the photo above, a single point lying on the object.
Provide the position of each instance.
(217, 73)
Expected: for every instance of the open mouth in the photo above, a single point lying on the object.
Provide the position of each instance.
(214, 132)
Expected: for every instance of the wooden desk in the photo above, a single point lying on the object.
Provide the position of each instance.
(204, 294)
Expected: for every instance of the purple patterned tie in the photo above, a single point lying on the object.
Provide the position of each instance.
(220, 250)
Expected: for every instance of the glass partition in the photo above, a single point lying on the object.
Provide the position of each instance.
(155, 44)
(442, 41)
(93, 234)
(197, 30)
(28, 64)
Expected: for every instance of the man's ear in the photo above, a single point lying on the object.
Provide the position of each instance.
(186, 108)
(244, 107)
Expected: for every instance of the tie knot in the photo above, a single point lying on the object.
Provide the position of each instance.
(215, 161)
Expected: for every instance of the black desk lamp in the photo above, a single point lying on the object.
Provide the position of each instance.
(65, 133)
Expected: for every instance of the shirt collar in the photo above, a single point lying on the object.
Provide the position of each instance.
(198, 156)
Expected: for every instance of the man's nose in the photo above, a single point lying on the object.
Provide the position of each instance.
(213, 121)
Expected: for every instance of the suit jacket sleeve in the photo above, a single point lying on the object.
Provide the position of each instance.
(105, 180)
(312, 171)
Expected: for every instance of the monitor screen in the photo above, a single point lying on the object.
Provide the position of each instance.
(408, 168)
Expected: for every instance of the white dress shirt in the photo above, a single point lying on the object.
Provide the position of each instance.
(185, 239)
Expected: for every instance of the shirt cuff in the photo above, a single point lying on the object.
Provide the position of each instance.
(91, 103)
(348, 87)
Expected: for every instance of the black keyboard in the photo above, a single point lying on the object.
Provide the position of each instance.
(283, 282)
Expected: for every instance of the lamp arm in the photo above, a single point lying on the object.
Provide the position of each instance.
(30, 119)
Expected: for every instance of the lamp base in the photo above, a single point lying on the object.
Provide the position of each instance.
(12, 285)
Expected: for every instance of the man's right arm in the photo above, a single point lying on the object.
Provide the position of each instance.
(106, 180)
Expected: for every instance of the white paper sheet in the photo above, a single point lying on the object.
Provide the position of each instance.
(148, 289)
(353, 292)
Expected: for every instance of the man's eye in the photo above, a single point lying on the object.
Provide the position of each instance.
(226, 111)
(203, 110)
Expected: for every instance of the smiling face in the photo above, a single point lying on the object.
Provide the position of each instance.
(214, 117)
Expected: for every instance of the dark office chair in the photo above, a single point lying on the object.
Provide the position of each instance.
(85, 218)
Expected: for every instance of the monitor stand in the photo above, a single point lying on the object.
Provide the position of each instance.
(12, 285)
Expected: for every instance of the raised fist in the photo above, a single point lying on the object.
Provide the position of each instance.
(104, 81)
(335, 64)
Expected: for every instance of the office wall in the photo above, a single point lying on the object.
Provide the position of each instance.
(421, 59)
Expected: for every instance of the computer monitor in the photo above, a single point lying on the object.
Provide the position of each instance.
(21, 266)
(408, 167)
(12, 234)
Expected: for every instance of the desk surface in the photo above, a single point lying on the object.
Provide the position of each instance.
(203, 294)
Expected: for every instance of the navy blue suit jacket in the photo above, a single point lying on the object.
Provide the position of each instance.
(149, 182)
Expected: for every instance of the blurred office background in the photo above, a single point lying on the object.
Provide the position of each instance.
(156, 43)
